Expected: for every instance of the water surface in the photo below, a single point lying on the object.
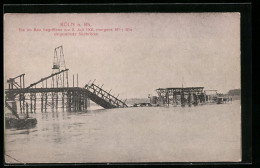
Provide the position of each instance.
(142, 134)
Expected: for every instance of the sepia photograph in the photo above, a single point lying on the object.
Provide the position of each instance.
(122, 87)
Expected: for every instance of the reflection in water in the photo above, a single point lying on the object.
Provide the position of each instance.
(25, 131)
(56, 131)
(168, 134)
(55, 115)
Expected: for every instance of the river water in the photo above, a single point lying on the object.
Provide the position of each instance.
(140, 134)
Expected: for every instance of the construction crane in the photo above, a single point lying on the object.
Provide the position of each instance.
(59, 65)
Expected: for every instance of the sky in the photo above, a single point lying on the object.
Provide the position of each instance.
(161, 50)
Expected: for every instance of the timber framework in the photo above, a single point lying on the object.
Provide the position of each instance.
(53, 92)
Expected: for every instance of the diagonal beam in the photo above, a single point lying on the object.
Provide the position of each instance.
(43, 79)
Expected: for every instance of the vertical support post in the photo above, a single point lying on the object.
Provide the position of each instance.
(42, 102)
(23, 82)
(20, 101)
(83, 102)
(52, 84)
(195, 99)
(74, 101)
(57, 81)
(77, 101)
(172, 97)
(182, 100)
(23, 96)
(69, 101)
(20, 81)
(63, 79)
(86, 102)
(77, 80)
(200, 98)
(73, 80)
(189, 99)
(175, 97)
(80, 102)
(14, 108)
(46, 100)
(67, 78)
(27, 114)
(34, 107)
(165, 98)
(168, 98)
(31, 102)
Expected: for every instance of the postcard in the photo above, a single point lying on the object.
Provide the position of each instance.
(122, 87)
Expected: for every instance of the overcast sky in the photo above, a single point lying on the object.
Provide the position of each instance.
(162, 50)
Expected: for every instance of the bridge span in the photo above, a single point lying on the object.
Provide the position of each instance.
(54, 92)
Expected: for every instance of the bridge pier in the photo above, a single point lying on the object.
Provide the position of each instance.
(23, 103)
(189, 99)
(77, 101)
(42, 95)
(167, 98)
(189, 95)
(71, 99)
(31, 103)
(20, 102)
(46, 101)
(85, 102)
(80, 102)
(68, 101)
(34, 105)
(195, 99)
(182, 100)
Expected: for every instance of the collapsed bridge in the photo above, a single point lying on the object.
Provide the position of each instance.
(54, 92)
(183, 96)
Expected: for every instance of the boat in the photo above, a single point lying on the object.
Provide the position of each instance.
(11, 122)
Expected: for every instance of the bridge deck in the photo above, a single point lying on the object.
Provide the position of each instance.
(105, 100)
(42, 90)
